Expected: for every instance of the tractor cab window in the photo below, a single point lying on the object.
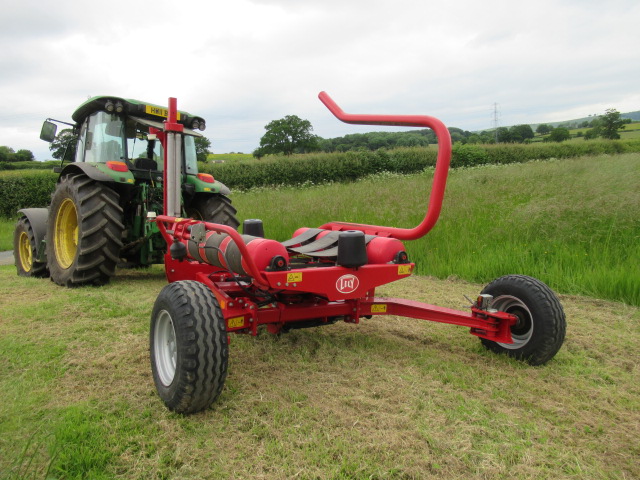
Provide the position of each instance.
(101, 139)
(190, 158)
(144, 151)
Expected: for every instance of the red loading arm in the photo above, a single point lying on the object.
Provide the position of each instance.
(439, 177)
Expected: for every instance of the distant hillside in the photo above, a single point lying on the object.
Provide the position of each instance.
(375, 140)
(634, 116)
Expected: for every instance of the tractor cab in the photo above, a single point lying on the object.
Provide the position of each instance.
(116, 130)
(124, 135)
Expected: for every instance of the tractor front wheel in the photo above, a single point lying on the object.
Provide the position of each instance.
(214, 209)
(25, 251)
(189, 350)
(84, 232)
(540, 329)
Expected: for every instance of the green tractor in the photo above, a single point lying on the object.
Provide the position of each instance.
(97, 218)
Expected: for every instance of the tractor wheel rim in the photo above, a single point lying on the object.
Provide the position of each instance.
(24, 252)
(522, 331)
(66, 233)
(165, 348)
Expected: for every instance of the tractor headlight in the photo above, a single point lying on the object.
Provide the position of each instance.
(109, 106)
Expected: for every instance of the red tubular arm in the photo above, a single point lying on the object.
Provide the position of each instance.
(439, 178)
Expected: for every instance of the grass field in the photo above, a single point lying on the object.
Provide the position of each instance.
(389, 398)
(572, 223)
(229, 157)
(631, 131)
(6, 233)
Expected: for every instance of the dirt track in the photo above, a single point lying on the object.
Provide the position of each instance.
(6, 258)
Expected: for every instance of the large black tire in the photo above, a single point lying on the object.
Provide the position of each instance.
(214, 209)
(84, 232)
(541, 327)
(25, 251)
(189, 350)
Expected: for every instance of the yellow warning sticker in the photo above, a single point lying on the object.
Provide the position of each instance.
(294, 277)
(404, 269)
(379, 308)
(235, 322)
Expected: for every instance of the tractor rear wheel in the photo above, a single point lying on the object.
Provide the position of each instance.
(214, 209)
(541, 326)
(189, 350)
(25, 251)
(84, 232)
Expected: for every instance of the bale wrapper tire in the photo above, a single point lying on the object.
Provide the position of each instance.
(541, 326)
(189, 350)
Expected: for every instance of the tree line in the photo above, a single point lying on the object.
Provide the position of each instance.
(292, 134)
(8, 154)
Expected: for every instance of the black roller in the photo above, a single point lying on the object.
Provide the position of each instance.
(352, 249)
(253, 227)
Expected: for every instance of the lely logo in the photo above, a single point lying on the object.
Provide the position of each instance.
(347, 283)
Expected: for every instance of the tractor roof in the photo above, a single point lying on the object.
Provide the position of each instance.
(134, 108)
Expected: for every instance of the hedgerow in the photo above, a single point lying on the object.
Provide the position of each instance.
(32, 188)
(24, 189)
(348, 166)
(30, 165)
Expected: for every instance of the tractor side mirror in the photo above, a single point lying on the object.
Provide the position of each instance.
(48, 132)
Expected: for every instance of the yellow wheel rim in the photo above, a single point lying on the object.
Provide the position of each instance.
(65, 240)
(24, 252)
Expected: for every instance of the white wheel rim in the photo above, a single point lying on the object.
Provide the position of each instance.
(165, 348)
(522, 332)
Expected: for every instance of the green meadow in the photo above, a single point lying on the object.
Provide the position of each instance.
(390, 398)
(573, 223)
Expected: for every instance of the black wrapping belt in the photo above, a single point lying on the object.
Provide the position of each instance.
(318, 248)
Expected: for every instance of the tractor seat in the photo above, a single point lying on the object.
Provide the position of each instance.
(144, 163)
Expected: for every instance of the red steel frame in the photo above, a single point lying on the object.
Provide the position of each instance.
(279, 298)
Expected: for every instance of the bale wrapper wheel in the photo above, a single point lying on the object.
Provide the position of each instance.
(223, 282)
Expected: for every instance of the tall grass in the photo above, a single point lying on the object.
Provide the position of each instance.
(6, 233)
(572, 223)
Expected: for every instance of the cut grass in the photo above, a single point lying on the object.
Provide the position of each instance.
(389, 398)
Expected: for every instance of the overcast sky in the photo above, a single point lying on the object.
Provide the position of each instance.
(242, 63)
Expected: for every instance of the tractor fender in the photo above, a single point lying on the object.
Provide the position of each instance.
(203, 186)
(38, 219)
(224, 190)
(94, 173)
